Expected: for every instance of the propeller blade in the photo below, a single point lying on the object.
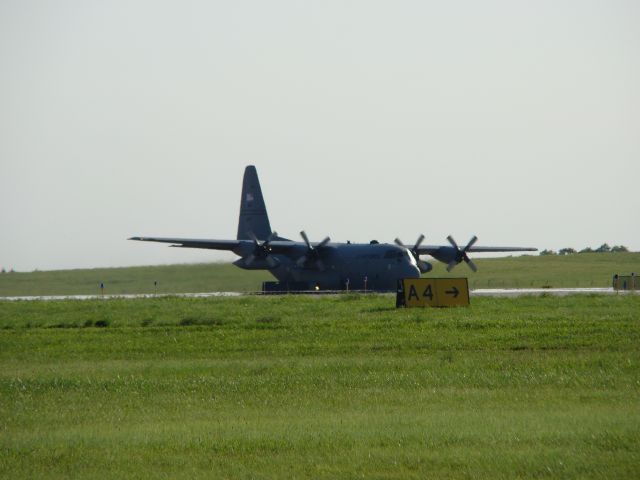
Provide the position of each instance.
(305, 238)
(462, 254)
(422, 266)
(253, 237)
(323, 242)
(262, 250)
(473, 240)
(472, 265)
(313, 253)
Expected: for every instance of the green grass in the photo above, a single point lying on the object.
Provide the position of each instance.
(583, 270)
(320, 387)
(171, 279)
(579, 270)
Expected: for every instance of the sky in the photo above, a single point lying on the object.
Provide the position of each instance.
(515, 121)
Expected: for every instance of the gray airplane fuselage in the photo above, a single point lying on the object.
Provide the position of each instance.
(354, 266)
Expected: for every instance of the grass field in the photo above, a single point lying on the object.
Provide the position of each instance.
(584, 270)
(320, 387)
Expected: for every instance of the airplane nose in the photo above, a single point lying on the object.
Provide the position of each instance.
(412, 271)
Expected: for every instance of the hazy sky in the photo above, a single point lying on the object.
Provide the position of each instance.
(516, 121)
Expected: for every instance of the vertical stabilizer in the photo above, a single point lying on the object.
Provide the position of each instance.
(253, 212)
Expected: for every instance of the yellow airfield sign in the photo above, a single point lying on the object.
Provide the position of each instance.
(433, 292)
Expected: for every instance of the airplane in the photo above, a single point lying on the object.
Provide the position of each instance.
(325, 265)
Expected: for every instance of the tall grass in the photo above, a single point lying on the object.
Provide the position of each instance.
(330, 387)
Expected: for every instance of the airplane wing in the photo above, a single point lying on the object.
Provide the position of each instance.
(193, 242)
(502, 249)
(430, 249)
(453, 254)
(276, 246)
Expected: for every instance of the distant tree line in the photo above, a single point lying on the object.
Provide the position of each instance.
(604, 248)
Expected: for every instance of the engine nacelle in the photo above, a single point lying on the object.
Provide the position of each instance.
(425, 267)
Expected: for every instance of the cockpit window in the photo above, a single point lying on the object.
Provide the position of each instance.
(389, 254)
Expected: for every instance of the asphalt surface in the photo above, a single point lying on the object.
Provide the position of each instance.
(481, 292)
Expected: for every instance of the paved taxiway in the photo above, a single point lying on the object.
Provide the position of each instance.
(132, 295)
(556, 292)
(481, 292)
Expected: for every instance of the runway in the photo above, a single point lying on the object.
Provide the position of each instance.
(122, 296)
(480, 292)
(556, 292)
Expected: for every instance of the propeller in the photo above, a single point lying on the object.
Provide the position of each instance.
(262, 250)
(312, 254)
(423, 266)
(461, 255)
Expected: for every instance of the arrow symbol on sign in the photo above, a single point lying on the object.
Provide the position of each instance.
(453, 292)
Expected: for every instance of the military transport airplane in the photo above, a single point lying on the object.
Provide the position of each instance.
(325, 265)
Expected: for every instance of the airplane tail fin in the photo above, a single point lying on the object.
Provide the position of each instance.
(253, 212)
